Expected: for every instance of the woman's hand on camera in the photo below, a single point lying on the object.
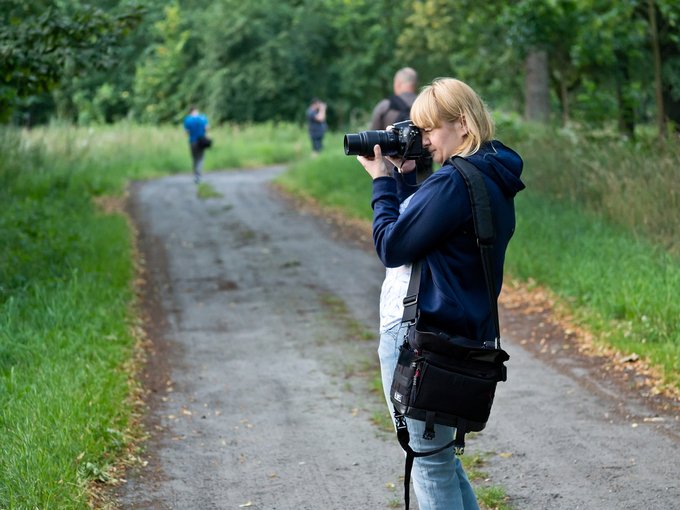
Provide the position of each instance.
(375, 166)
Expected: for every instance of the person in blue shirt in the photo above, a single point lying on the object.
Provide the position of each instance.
(433, 222)
(196, 126)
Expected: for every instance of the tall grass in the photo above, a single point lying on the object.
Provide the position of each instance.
(64, 336)
(623, 288)
(102, 159)
(66, 300)
(635, 184)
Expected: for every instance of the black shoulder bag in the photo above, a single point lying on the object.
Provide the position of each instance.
(204, 142)
(447, 379)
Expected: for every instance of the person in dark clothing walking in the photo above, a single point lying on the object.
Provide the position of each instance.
(196, 126)
(433, 222)
(396, 107)
(316, 121)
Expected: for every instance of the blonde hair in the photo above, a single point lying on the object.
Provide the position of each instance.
(450, 100)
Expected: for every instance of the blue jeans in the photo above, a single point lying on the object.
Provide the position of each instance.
(439, 481)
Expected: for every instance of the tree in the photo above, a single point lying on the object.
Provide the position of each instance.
(465, 39)
(537, 86)
(42, 41)
(656, 52)
(158, 95)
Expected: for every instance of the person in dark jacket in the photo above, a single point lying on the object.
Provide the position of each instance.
(433, 222)
(316, 123)
(396, 107)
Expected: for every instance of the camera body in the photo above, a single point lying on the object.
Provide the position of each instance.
(403, 139)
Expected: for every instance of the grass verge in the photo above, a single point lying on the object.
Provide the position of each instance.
(621, 288)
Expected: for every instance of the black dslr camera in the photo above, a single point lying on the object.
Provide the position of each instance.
(403, 139)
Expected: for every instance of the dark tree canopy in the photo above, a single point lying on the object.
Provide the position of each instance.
(584, 61)
(41, 42)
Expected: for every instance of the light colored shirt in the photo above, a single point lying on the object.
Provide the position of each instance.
(394, 289)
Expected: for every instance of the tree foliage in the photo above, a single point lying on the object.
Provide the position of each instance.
(41, 41)
(257, 61)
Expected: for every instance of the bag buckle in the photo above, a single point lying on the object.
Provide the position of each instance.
(399, 420)
(428, 435)
(411, 300)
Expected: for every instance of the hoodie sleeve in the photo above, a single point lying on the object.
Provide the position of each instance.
(406, 184)
(439, 207)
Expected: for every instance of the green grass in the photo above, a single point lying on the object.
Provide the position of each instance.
(623, 288)
(336, 180)
(206, 190)
(635, 185)
(64, 337)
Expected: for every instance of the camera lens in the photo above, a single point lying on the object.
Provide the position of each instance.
(361, 144)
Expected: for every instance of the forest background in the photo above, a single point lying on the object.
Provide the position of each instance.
(598, 62)
(92, 96)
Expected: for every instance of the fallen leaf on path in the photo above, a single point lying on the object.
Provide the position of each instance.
(246, 504)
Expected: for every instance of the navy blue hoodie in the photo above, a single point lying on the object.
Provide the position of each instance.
(437, 225)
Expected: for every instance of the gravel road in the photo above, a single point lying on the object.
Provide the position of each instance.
(258, 394)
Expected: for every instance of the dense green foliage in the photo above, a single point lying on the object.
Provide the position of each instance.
(263, 61)
(634, 185)
(44, 42)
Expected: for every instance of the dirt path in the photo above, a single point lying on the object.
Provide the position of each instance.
(257, 394)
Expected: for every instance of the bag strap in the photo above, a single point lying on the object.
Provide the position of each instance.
(399, 105)
(485, 233)
(484, 230)
(404, 438)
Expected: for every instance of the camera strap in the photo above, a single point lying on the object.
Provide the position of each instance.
(485, 234)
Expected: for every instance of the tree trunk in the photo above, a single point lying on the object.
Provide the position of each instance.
(536, 86)
(658, 87)
(564, 99)
(669, 52)
(671, 108)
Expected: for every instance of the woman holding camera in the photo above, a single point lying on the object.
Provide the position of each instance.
(433, 222)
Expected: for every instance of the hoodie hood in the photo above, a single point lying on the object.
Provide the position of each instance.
(501, 164)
